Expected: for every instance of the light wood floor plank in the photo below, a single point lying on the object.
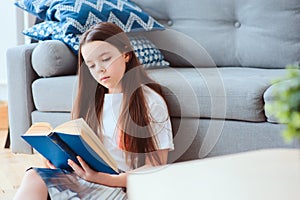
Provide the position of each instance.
(12, 168)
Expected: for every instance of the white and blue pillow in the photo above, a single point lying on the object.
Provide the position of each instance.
(47, 30)
(147, 53)
(74, 17)
(66, 20)
(37, 8)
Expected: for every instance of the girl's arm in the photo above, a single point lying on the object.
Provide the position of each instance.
(111, 180)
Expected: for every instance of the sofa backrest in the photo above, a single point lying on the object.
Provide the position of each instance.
(249, 33)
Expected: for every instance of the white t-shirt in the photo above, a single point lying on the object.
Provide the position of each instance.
(160, 124)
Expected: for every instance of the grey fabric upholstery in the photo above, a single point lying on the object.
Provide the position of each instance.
(20, 78)
(242, 136)
(54, 118)
(218, 93)
(200, 94)
(269, 98)
(60, 94)
(226, 53)
(53, 58)
(236, 33)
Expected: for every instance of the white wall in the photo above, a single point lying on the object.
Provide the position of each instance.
(12, 24)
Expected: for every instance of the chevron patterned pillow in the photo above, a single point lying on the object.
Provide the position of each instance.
(77, 16)
(147, 53)
(37, 8)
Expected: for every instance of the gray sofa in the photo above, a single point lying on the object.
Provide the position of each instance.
(223, 55)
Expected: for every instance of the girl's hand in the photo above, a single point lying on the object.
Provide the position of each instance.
(88, 174)
(85, 172)
(48, 164)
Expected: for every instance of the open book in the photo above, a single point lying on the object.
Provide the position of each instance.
(68, 140)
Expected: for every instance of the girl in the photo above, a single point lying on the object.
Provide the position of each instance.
(123, 106)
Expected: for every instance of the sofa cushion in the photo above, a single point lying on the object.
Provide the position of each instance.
(54, 94)
(43, 31)
(249, 33)
(269, 98)
(230, 93)
(53, 58)
(35, 7)
(75, 17)
(147, 53)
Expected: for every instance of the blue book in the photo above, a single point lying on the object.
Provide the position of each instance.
(71, 139)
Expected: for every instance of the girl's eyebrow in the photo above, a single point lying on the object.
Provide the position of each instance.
(102, 54)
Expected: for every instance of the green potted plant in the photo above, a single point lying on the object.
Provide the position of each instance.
(286, 104)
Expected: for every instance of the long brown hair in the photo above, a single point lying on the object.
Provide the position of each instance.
(135, 134)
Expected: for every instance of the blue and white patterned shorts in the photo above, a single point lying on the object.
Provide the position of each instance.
(65, 185)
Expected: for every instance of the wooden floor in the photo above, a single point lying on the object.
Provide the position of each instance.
(12, 168)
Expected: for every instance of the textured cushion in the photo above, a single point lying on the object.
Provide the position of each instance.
(179, 49)
(147, 52)
(35, 7)
(269, 98)
(44, 30)
(250, 33)
(53, 58)
(75, 17)
(55, 93)
(230, 93)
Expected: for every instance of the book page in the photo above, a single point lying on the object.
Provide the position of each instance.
(40, 128)
(90, 137)
(70, 127)
(80, 127)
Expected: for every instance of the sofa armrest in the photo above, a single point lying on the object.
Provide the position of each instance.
(20, 76)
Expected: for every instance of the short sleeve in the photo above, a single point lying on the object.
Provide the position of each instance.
(160, 119)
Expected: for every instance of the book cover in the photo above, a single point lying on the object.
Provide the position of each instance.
(69, 140)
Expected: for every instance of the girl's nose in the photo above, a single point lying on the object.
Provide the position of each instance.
(101, 68)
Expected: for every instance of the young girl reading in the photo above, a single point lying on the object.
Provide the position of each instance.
(123, 106)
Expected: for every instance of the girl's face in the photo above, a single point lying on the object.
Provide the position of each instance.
(106, 64)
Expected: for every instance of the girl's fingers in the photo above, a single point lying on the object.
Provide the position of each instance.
(85, 166)
(50, 165)
(77, 169)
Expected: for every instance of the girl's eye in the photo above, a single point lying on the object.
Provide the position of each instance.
(106, 59)
(91, 66)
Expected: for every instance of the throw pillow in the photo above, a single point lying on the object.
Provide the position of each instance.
(37, 8)
(44, 31)
(77, 16)
(148, 54)
(74, 17)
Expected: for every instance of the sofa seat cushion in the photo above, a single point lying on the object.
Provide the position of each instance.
(54, 94)
(230, 93)
(269, 98)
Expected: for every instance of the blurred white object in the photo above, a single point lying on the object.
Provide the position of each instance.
(272, 174)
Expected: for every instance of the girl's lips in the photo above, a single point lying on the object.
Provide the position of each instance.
(104, 78)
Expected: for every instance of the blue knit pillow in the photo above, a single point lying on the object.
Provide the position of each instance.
(51, 30)
(77, 16)
(147, 53)
(47, 30)
(37, 8)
